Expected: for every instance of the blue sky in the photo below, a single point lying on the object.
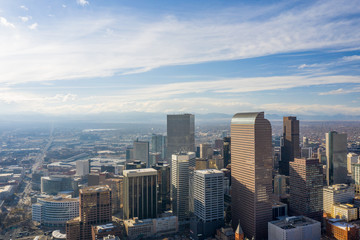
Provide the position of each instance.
(93, 57)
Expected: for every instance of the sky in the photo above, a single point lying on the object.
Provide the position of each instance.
(83, 57)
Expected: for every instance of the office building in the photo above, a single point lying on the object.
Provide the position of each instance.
(306, 186)
(82, 167)
(141, 151)
(163, 171)
(140, 193)
(347, 212)
(295, 228)
(251, 173)
(336, 152)
(136, 164)
(352, 158)
(291, 148)
(279, 210)
(281, 186)
(219, 145)
(356, 176)
(321, 155)
(208, 203)
(180, 184)
(339, 193)
(95, 208)
(129, 154)
(58, 183)
(180, 134)
(154, 158)
(206, 151)
(116, 186)
(306, 152)
(158, 144)
(99, 232)
(227, 151)
(55, 211)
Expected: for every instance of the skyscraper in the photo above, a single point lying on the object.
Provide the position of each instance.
(336, 154)
(251, 170)
(206, 151)
(180, 184)
(306, 187)
(208, 203)
(158, 144)
(163, 186)
(180, 134)
(95, 207)
(141, 151)
(140, 196)
(291, 148)
(227, 151)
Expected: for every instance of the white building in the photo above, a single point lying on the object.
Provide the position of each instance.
(55, 211)
(180, 184)
(6, 191)
(339, 193)
(352, 158)
(294, 228)
(348, 212)
(82, 167)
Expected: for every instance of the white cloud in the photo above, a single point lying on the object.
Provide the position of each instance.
(351, 58)
(341, 91)
(24, 7)
(33, 26)
(82, 2)
(5, 23)
(138, 43)
(25, 18)
(64, 6)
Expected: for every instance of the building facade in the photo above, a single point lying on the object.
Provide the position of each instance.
(291, 148)
(336, 154)
(251, 173)
(339, 193)
(140, 193)
(306, 187)
(141, 151)
(180, 134)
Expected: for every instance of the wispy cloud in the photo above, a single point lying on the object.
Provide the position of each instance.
(6, 23)
(351, 58)
(145, 43)
(82, 2)
(341, 91)
(24, 7)
(25, 18)
(33, 26)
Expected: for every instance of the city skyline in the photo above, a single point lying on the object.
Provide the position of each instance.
(93, 57)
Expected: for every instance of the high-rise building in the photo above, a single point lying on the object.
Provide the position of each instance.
(158, 144)
(163, 187)
(291, 148)
(355, 174)
(208, 203)
(116, 185)
(140, 194)
(306, 186)
(227, 151)
(180, 134)
(82, 167)
(154, 158)
(336, 152)
(251, 173)
(129, 154)
(94, 208)
(351, 159)
(339, 193)
(206, 151)
(180, 184)
(141, 151)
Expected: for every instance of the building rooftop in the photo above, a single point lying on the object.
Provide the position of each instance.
(97, 188)
(139, 172)
(60, 198)
(294, 222)
(137, 222)
(340, 223)
(208, 171)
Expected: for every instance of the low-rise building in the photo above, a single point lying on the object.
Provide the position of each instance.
(6, 191)
(225, 234)
(339, 193)
(348, 212)
(98, 232)
(339, 229)
(294, 228)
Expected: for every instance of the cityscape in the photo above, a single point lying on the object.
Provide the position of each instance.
(177, 120)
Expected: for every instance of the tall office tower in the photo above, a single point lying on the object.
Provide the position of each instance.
(338, 193)
(227, 151)
(251, 173)
(321, 155)
(208, 203)
(141, 151)
(206, 151)
(158, 144)
(306, 186)
(140, 198)
(219, 144)
(94, 208)
(163, 183)
(336, 152)
(116, 185)
(291, 148)
(180, 184)
(154, 158)
(355, 174)
(352, 158)
(129, 154)
(82, 167)
(180, 134)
